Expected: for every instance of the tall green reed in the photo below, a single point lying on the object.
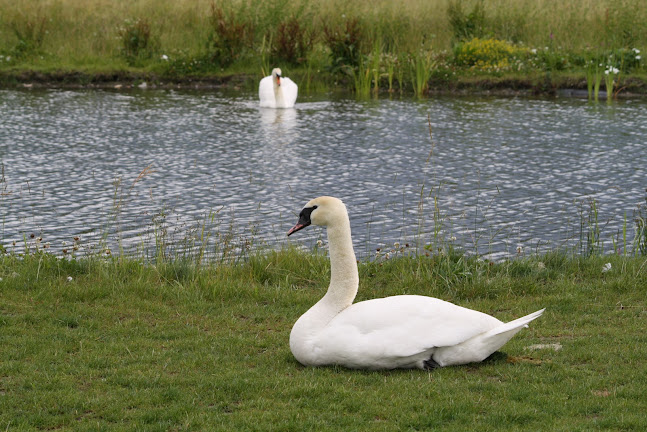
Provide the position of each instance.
(421, 68)
(593, 77)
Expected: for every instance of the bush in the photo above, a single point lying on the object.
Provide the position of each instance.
(232, 35)
(345, 43)
(136, 40)
(487, 55)
(292, 42)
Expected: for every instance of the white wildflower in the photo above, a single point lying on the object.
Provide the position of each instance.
(396, 245)
(69, 279)
(638, 57)
(636, 51)
(164, 57)
(606, 267)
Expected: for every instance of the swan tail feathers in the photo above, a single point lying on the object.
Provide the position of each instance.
(483, 345)
(517, 324)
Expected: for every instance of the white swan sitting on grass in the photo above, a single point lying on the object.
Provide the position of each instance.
(405, 331)
(274, 91)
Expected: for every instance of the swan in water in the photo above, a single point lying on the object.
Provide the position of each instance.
(275, 91)
(404, 331)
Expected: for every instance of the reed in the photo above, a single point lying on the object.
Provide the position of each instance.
(593, 78)
(421, 65)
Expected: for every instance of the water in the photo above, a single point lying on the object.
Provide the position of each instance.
(510, 175)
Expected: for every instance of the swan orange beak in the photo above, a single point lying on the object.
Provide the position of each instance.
(304, 220)
(278, 80)
(297, 227)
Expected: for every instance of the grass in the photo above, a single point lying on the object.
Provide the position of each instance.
(127, 346)
(182, 40)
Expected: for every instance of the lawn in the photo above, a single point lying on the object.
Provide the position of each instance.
(95, 344)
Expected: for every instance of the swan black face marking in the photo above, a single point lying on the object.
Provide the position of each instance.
(304, 219)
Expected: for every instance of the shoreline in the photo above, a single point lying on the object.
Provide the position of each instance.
(535, 85)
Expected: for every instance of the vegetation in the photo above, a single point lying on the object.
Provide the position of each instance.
(383, 45)
(112, 344)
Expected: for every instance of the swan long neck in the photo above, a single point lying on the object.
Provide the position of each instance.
(344, 278)
(278, 95)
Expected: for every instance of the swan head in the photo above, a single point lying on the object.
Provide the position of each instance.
(276, 75)
(322, 211)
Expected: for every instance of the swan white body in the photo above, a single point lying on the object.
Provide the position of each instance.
(406, 331)
(274, 91)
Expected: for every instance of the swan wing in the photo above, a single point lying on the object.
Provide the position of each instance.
(290, 92)
(266, 92)
(386, 329)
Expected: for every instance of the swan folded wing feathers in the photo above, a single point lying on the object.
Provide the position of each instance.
(266, 92)
(410, 324)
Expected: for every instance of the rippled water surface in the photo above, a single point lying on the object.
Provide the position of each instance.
(499, 174)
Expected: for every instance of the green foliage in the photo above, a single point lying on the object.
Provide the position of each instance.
(137, 41)
(466, 26)
(641, 228)
(30, 32)
(232, 33)
(292, 42)
(345, 41)
(422, 66)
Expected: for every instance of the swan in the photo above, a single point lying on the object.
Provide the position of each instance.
(275, 91)
(404, 331)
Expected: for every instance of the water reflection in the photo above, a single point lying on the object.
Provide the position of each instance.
(495, 175)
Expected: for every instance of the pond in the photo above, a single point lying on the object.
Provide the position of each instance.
(143, 171)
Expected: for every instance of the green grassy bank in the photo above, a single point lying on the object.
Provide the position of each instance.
(95, 344)
(412, 46)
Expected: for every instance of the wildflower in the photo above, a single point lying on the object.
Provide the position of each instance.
(164, 57)
(541, 265)
(319, 243)
(638, 57)
(519, 249)
(534, 50)
(69, 279)
(636, 51)
(606, 267)
(0, 279)
(396, 245)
